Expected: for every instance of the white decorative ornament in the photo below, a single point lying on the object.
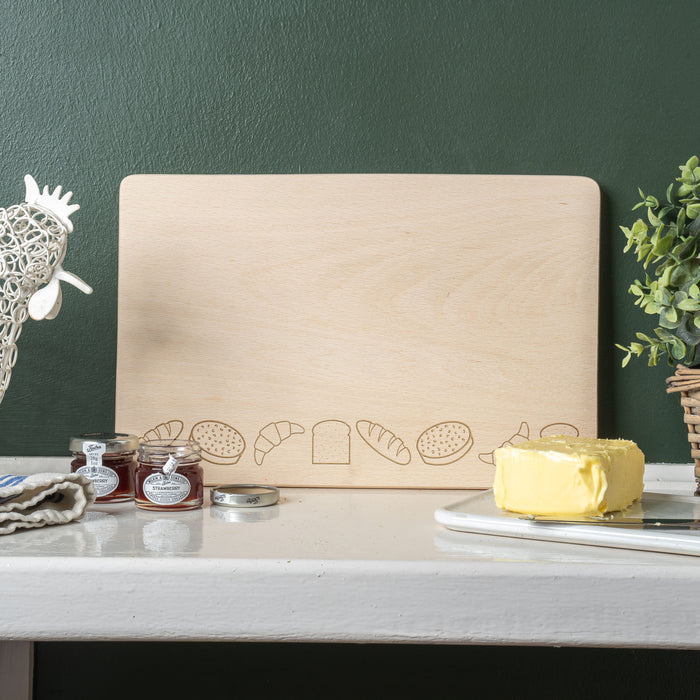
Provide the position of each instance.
(33, 238)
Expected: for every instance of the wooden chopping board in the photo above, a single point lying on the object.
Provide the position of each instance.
(357, 330)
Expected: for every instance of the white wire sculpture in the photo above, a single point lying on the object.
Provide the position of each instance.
(33, 238)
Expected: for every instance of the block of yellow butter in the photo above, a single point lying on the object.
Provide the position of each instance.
(568, 476)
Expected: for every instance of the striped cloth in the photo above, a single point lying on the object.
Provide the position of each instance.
(48, 498)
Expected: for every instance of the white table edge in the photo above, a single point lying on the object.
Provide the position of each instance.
(353, 600)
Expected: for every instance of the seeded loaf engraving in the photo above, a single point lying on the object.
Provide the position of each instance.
(444, 443)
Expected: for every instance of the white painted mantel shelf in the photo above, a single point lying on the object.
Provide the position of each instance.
(336, 565)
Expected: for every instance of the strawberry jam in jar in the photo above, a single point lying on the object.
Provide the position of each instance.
(169, 475)
(109, 461)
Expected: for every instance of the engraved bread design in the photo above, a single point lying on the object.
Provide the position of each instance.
(556, 429)
(444, 443)
(384, 442)
(163, 431)
(522, 435)
(221, 443)
(330, 442)
(272, 435)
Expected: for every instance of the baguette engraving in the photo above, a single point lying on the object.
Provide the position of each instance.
(384, 442)
(162, 431)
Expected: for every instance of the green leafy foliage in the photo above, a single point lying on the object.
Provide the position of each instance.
(666, 242)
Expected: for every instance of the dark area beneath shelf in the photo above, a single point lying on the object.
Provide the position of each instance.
(173, 670)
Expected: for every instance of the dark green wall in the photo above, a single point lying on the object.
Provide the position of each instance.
(93, 91)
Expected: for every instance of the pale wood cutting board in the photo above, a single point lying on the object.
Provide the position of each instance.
(357, 330)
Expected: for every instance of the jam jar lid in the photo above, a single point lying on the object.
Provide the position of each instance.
(163, 448)
(113, 442)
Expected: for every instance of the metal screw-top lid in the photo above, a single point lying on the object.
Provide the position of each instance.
(244, 495)
(113, 442)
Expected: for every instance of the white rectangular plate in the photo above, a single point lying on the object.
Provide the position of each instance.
(479, 514)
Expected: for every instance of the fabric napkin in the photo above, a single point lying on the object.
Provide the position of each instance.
(47, 498)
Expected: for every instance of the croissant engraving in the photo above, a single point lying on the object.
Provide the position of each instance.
(272, 435)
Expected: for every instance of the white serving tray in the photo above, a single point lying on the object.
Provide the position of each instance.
(658, 523)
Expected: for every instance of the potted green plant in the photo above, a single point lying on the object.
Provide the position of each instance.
(667, 244)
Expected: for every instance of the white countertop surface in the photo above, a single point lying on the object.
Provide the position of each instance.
(338, 565)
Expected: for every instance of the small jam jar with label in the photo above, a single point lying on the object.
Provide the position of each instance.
(109, 460)
(169, 475)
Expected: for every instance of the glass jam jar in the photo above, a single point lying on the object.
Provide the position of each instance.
(169, 476)
(109, 460)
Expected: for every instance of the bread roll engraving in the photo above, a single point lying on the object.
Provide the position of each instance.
(330, 442)
(384, 442)
(221, 443)
(444, 443)
(555, 429)
(272, 435)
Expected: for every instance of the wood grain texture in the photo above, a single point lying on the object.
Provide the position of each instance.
(454, 312)
(16, 669)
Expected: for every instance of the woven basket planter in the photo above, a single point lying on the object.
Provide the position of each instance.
(686, 382)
